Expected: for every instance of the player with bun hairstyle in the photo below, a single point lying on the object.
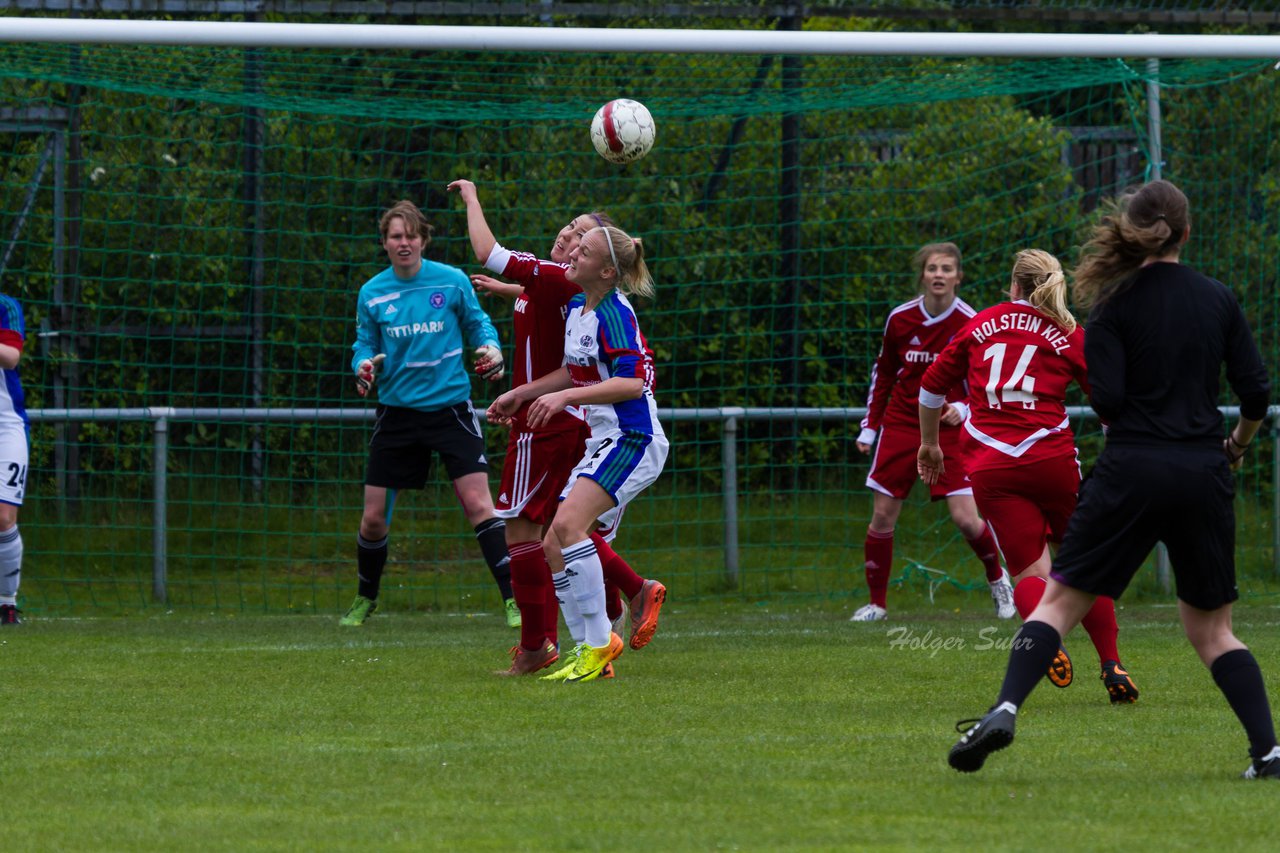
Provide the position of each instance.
(539, 462)
(1159, 335)
(1018, 359)
(607, 370)
(411, 322)
(915, 333)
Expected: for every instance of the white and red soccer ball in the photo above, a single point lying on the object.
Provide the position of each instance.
(622, 131)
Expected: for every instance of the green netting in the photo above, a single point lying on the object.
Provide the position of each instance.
(780, 209)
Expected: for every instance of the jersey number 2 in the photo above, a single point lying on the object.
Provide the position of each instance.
(1020, 386)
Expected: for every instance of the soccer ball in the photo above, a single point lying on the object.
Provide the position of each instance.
(622, 131)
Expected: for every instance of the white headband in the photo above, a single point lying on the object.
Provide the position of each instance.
(608, 238)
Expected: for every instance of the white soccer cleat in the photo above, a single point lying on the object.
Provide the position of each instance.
(619, 625)
(869, 613)
(1002, 595)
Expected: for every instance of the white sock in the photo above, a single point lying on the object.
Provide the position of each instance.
(586, 579)
(569, 607)
(10, 564)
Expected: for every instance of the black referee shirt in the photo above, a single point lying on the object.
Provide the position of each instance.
(1155, 353)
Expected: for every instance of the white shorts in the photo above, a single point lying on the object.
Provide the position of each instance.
(13, 462)
(624, 465)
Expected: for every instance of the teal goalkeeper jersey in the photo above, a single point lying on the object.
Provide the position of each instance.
(428, 326)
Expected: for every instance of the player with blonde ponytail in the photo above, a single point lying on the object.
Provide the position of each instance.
(1018, 358)
(609, 373)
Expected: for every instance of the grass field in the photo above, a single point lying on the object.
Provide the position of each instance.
(739, 727)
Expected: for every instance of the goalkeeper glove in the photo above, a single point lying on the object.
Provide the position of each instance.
(367, 373)
(489, 363)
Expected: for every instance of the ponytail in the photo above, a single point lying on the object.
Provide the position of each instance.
(627, 254)
(1039, 276)
(1140, 224)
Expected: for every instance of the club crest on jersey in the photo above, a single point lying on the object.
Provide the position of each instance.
(437, 300)
(585, 341)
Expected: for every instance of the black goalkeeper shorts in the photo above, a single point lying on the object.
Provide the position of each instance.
(404, 441)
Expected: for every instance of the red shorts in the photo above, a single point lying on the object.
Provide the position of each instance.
(893, 464)
(536, 469)
(1027, 506)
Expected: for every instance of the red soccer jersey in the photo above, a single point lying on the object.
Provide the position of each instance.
(912, 340)
(1018, 364)
(539, 317)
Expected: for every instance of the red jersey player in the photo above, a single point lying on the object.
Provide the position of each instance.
(1018, 359)
(539, 461)
(915, 333)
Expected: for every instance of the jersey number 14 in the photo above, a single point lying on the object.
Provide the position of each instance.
(1020, 386)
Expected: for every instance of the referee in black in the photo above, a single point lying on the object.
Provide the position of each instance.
(1157, 338)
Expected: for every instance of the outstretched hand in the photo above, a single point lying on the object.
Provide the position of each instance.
(464, 188)
(503, 409)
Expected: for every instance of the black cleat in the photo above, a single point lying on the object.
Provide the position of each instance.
(991, 733)
(1118, 683)
(9, 615)
(1266, 767)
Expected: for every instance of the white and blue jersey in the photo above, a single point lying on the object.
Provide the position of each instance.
(604, 343)
(13, 333)
(627, 448)
(421, 324)
(14, 426)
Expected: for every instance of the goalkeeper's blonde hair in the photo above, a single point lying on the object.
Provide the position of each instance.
(1039, 276)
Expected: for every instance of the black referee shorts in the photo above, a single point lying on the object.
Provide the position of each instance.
(404, 440)
(1137, 497)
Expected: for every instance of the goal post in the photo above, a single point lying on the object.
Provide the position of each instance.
(381, 37)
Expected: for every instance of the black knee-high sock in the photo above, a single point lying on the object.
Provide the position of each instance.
(492, 536)
(1034, 647)
(1239, 678)
(371, 558)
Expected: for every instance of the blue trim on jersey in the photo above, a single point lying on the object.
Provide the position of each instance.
(621, 462)
(11, 315)
(12, 318)
(615, 325)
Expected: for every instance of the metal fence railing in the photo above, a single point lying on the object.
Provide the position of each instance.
(730, 417)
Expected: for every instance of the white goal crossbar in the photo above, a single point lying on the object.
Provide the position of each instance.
(601, 40)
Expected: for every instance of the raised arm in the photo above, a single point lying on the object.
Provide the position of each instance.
(482, 239)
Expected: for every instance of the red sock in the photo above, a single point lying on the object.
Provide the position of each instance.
(1100, 622)
(1027, 594)
(551, 613)
(530, 580)
(877, 549)
(616, 570)
(988, 552)
(612, 601)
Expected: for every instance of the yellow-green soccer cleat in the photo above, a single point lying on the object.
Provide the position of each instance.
(513, 613)
(593, 662)
(361, 609)
(569, 661)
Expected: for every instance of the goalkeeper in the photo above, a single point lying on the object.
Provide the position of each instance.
(415, 322)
